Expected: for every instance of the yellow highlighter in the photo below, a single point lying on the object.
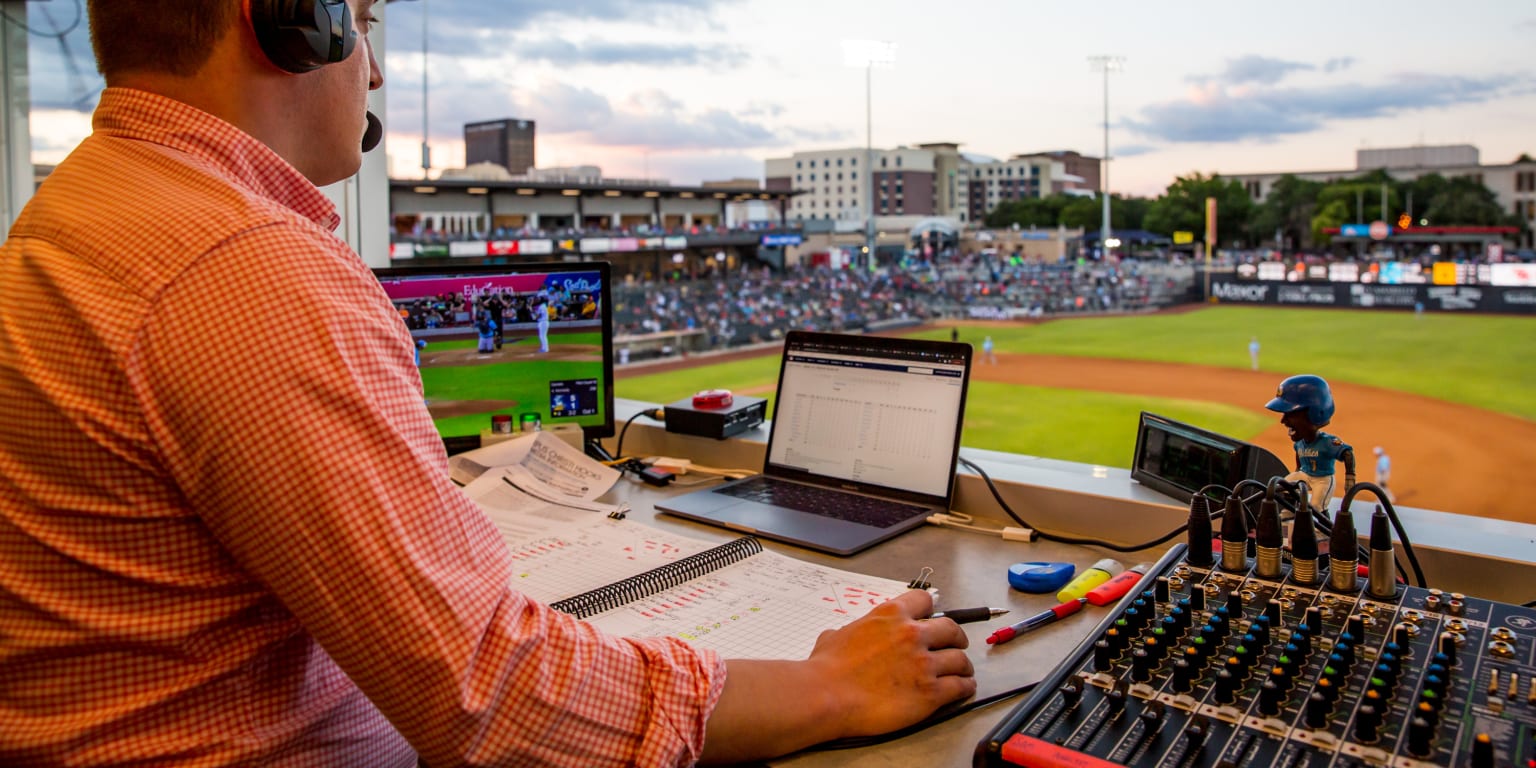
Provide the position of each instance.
(1091, 577)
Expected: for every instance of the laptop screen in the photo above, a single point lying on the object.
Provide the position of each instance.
(870, 411)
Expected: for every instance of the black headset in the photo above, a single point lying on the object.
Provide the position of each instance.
(303, 35)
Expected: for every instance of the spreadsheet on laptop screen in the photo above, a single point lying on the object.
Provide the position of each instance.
(869, 419)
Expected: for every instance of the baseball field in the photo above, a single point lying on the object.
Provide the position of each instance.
(1449, 397)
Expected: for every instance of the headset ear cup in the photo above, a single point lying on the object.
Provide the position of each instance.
(303, 35)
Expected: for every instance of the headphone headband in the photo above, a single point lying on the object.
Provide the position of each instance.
(303, 35)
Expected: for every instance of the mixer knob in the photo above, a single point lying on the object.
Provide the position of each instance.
(1103, 657)
(1269, 699)
(1133, 618)
(1356, 626)
(1152, 714)
(1117, 637)
(1226, 687)
(1314, 618)
(1328, 690)
(1346, 653)
(1392, 654)
(1160, 589)
(1245, 656)
(1220, 618)
(1180, 616)
(1333, 675)
(1235, 602)
(1386, 675)
(1428, 713)
(1318, 710)
(1272, 611)
(1482, 751)
(1448, 647)
(1280, 678)
(1289, 661)
(1156, 645)
(1302, 639)
(1141, 665)
(1183, 676)
(1196, 600)
(1367, 724)
(1259, 629)
(1071, 691)
(1421, 736)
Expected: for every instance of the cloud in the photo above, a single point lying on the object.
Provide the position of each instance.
(1260, 69)
(1216, 114)
(1338, 64)
(1132, 150)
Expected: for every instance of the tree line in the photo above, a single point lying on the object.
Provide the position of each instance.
(1294, 216)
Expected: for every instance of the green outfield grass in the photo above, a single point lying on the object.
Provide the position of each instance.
(1484, 361)
(522, 380)
(1480, 360)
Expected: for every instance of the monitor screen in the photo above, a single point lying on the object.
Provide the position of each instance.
(533, 341)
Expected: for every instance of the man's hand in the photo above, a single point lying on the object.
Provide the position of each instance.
(894, 667)
(886, 670)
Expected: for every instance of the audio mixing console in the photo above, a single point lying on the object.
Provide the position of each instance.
(1216, 666)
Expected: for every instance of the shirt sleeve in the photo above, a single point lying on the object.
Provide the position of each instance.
(281, 388)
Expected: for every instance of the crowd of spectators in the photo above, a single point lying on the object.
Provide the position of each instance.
(455, 310)
(430, 236)
(758, 304)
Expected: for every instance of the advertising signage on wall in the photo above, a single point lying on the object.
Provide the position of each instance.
(782, 240)
(1435, 298)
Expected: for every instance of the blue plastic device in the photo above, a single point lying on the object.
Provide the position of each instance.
(1040, 577)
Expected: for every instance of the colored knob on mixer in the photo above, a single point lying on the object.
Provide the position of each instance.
(1318, 710)
(1207, 641)
(1155, 646)
(1482, 751)
(1421, 737)
(1314, 618)
(1117, 637)
(1226, 687)
(1392, 656)
(1220, 618)
(1280, 678)
(1356, 626)
(1269, 699)
(1367, 724)
(1302, 639)
(1345, 652)
(1180, 616)
(1428, 712)
(1103, 656)
(1386, 674)
(1141, 665)
(1183, 676)
(1133, 618)
(1334, 675)
(1448, 647)
(1260, 630)
(1328, 689)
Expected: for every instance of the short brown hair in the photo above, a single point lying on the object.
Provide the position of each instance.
(156, 36)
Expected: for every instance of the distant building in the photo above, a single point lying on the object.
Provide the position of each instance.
(508, 143)
(1514, 184)
(909, 184)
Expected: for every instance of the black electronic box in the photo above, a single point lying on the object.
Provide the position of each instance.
(744, 413)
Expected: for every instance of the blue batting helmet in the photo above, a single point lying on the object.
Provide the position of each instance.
(1309, 392)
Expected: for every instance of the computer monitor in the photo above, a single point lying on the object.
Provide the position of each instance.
(1179, 459)
(474, 366)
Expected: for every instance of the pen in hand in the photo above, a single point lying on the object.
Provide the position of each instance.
(1040, 619)
(968, 615)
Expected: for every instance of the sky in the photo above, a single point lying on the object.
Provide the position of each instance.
(697, 90)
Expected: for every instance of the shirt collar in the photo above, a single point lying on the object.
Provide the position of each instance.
(151, 117)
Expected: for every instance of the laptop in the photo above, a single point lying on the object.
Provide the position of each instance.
(862, 446)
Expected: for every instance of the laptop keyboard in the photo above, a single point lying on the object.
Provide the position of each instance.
(826, 502)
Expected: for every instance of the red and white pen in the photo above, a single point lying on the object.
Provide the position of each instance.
(1038, 620)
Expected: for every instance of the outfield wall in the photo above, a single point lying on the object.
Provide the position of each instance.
(1433, 298)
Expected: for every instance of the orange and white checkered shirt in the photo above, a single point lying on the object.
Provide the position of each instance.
(227, 533)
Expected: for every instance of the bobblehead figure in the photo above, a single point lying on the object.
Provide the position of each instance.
(1306, 406)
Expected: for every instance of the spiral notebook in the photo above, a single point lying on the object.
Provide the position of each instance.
(634, 580)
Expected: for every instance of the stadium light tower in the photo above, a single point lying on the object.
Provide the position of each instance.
(1105, 64)
(869, 54)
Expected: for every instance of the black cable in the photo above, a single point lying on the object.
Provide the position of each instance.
(944, 713)
(1397, 525)
(998, 496)
(656, 414)
(1531, 604)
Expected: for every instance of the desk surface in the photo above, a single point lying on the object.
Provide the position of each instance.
(969, 569)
